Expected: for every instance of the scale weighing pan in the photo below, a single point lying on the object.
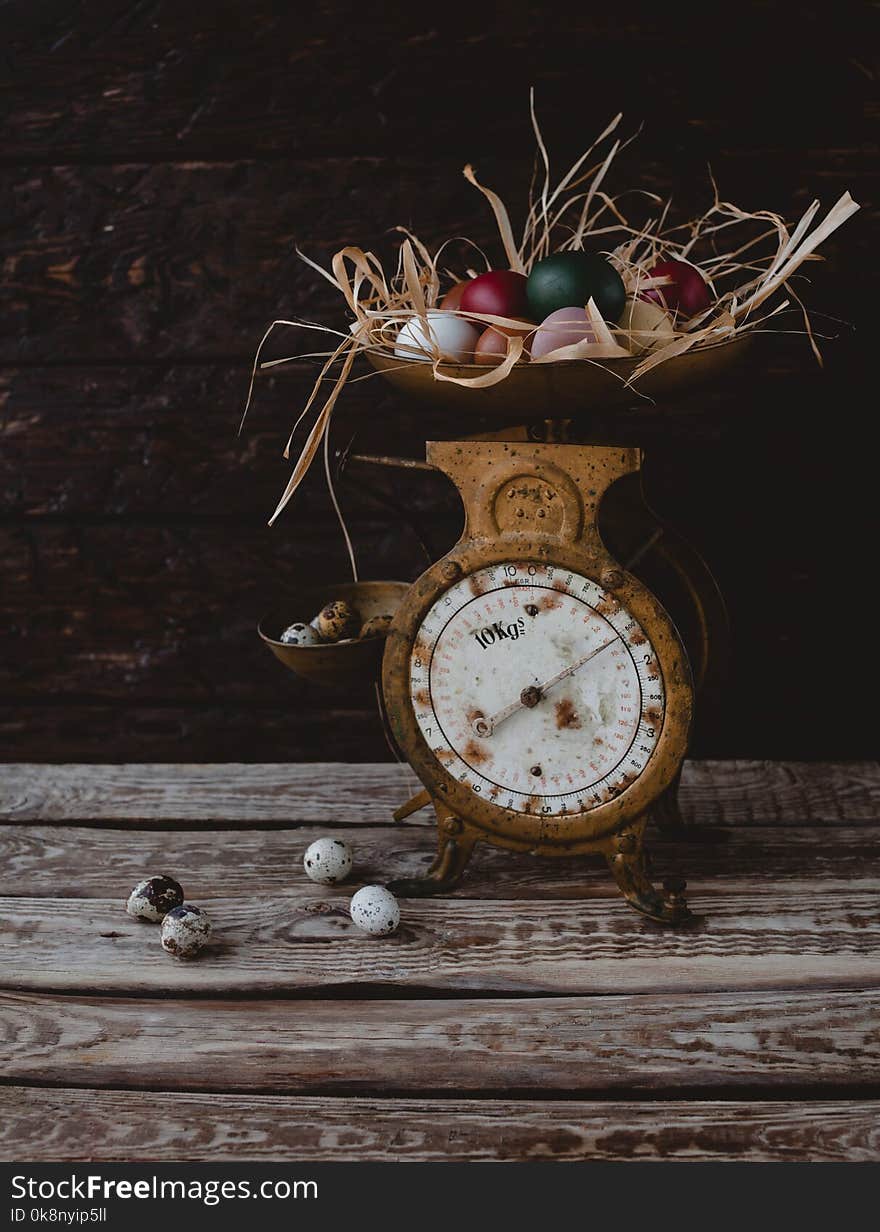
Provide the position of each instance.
(568, 387)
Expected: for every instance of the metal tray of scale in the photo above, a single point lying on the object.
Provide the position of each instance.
(562, 389)
(355, 659)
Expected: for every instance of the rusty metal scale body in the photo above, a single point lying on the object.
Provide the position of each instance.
(540, 691)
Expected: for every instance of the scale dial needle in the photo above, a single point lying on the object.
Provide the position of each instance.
(530, 696)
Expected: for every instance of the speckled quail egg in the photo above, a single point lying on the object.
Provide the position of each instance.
(337, 621)
(299, 634)
(185, 931)
(154, 897)
(327, 861)
(376, 626)
(375, 910)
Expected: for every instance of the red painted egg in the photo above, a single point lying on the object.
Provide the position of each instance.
(686, 293)
(452, 299)
(499, 293)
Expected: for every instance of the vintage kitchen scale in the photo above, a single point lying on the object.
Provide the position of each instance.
(537, 686)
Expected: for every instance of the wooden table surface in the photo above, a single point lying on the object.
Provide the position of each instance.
(531, 1015)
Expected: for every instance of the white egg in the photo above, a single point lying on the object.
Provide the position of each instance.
(375, 910)
(327, 861)
(299, 634)
(647, 325)
(456, 339)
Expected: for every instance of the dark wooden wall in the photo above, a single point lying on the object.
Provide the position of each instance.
(160, 161)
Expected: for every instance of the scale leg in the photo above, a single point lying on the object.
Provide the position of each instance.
(454, 847)
(626, 859)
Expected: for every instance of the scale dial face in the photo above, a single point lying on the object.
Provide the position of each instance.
(537, 689)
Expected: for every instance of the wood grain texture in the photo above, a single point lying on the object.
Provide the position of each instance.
(280, 945)
(37, 861)
(713, 792)
(68, 1124)
(710, 1045)
(129, 81)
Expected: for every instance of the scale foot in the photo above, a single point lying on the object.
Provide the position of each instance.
(453, 852)
(627, 863)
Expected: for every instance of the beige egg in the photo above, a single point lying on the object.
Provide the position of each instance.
(646, 324)
(337, 621)
(376, 626)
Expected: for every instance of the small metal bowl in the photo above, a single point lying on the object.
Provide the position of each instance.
(352, 661)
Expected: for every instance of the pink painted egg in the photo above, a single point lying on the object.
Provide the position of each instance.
(562, 328)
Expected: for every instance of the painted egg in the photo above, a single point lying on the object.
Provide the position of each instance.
(687, 291)
(337, 621)
(153, 898)
(327, 861)
(299, 634)
(452, 299)
(376, 626)
(455, 338)
(562, 328)
(498, 293)
(569, 278)
(185, 931)
(647, 325)
(492, 343)
(375, 910)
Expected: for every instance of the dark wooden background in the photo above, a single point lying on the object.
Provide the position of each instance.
(160, 161)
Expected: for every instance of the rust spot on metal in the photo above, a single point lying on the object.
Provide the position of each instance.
(597, 740)
(476, 753)
(607, 607)
(475, 585)
(638, 638)
(550, 601)
(423, 697)
(566, 715)
(652, 715)
(444, 754)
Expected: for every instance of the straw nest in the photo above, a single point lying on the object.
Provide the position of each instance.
(746, 258)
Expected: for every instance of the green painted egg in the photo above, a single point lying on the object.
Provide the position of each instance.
(569, 279)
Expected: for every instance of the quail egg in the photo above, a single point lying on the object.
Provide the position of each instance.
(376, 626)
(299, 634)
(327, 861)
(185, 931)
(375, 910)
(337, 621)
(154, 897)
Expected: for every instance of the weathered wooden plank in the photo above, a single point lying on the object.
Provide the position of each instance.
(43, 1125)
(150, 80)
(713, 792)
(278, 944)
(708, 1044)
(193, 81)
(285, 730)
(38, 861)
